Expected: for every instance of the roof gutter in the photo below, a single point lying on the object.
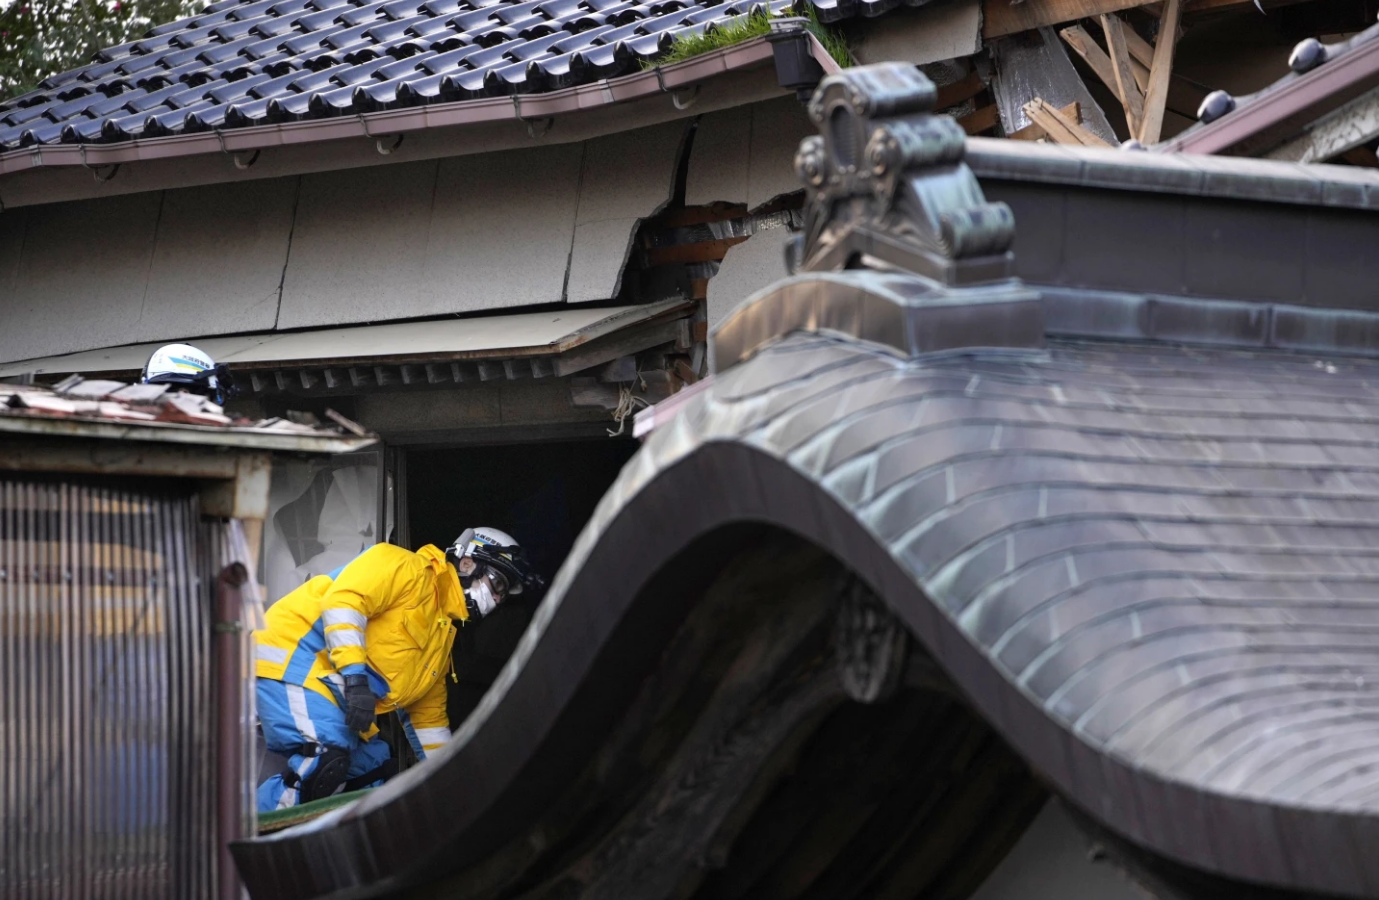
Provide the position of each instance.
(531, 109)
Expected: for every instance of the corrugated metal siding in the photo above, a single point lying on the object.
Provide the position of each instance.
(106, 752)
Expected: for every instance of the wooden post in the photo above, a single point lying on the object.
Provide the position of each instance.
(1156, 98)
(229, 735)
(1126, 88)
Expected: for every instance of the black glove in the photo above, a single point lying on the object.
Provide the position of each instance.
(359, 703)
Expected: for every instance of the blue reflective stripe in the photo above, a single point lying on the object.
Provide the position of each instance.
(304, 656)
(198, 366)
(411, 733)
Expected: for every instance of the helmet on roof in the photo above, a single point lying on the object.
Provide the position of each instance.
(501, 567)
(188, 368)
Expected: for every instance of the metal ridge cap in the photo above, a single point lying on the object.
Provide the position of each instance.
(520, 107)
(1290, 99)
(1187, 174)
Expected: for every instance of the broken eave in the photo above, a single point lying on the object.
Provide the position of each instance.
(404, 354)
(230, 437)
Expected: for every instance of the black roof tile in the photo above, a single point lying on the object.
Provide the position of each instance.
(247, 63)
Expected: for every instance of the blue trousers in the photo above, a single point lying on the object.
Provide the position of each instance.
(294, 719)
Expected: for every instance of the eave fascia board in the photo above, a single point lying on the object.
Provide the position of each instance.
(390, 123)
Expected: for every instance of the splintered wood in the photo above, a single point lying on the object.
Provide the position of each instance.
(1126, 88)
(1138, 73)
(1059, 126)
(1032, 131)
(1156, 97)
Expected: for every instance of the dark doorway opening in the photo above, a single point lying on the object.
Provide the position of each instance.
(541, 493)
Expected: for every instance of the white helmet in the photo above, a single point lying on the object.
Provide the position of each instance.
(187, 367)
(497, 556)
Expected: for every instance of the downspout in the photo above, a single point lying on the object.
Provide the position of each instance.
(229, 739)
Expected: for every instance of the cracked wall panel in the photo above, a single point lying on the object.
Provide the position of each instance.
(626, 178)
(946, 29)
(718, 158)
(218, 259)
(778, 126)
(501, 229)
(756, 263)
(110, 240)
(461, 234)
(747, 154)
(358, 246)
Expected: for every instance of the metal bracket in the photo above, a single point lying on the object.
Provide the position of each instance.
(236, 156)
(530, 123)
(675, 95)
(383, 150)
(96, 170)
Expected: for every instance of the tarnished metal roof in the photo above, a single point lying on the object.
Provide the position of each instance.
(111, 410)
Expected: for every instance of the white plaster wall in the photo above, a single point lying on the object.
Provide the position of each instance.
(938, 31)
(97, 273)
(428, 238)
(625, 178)
(1049, 862)
(747, 155)
(749, 266)
(457, 234)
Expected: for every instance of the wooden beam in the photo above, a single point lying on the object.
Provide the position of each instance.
(1060, 128)
(1184, 95)
(950, 95)
(1034, 132)
(1001, 17)
(1126, 88)
(1096, 59)
(700, 251)
(983, 119)
(1156, 97)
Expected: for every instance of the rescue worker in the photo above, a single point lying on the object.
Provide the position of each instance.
(372, 637)
(188, 369)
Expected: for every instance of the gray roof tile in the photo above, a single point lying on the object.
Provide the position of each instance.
(231, 65)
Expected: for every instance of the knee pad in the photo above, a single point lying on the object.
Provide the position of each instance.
(331, 771)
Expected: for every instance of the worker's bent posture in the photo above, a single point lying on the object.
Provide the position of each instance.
(371, 637)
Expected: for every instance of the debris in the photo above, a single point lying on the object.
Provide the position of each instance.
(348, 425)
(1060, 127)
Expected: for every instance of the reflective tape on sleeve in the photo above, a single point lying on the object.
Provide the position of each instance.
(344, 617)
(433, 737)
(344, 637)
(269, 654)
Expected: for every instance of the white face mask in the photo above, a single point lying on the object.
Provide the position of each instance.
(482, 595)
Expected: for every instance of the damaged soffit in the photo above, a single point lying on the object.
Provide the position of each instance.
(525, 345)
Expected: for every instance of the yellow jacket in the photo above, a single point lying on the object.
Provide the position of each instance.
(387, 614)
